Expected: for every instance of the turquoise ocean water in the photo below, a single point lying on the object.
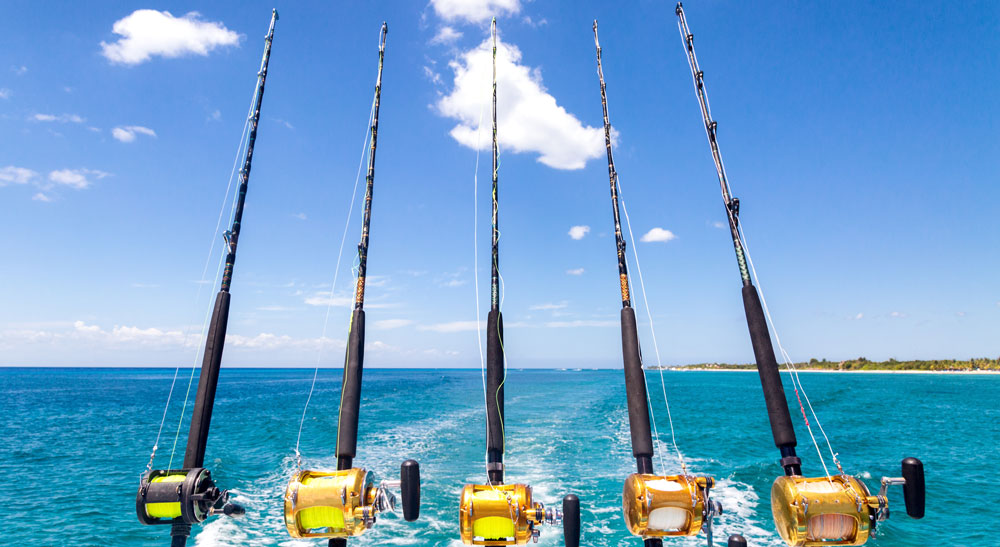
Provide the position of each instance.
(74, 442)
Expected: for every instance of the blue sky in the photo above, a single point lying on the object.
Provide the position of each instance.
(858, 136)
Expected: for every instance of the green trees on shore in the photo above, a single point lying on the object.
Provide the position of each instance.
(861, 363)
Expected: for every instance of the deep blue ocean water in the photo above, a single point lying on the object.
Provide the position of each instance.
(74, 442)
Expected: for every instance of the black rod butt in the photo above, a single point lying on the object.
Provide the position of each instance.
(409, 489)
(337, 542)
(737, 540)
(913, 490)
(571, 520)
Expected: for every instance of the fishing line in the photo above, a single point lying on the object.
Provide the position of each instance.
(333, 286)
(652, 330)
(201, 284)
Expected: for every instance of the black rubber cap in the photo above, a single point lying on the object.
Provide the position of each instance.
(233, 510)
(571, 520)
(409, 489)
(913, 490)
(737, 540)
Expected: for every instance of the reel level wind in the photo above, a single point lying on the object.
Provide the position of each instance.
(506, 514)
(182, 496)
(840, 510)
(667, 506)
(342, 504)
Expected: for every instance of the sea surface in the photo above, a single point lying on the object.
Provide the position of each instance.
(74, 442)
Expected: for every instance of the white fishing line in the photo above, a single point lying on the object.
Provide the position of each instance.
(201, 284)
(336, 274)
(652, 330)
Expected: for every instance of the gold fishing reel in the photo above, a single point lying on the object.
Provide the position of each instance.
(346, 503)
(839, 510)
(186, 496)
(506, 514)
(665, 506)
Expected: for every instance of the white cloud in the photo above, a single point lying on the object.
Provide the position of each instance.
(446, 35)
(284, 123)
(275, 308)
(658, 234)
(575, 271)
(61, 118)
(577, 232)
(128, 133)
(859, 316)
(580, 323)
(215, 116)
(16, 175)
(550, 306)
(41, 197)
(19, 70)
(386, 324)
(528, 117)
(300, 216)
(145, 33)
(327, 300)
(75, 178)
(718, 224)
(897, 314)
(4, 93)
(474, 11)
(434, 77)
(453, 326)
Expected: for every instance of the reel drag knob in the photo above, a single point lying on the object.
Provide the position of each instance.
(913, 488)
(571, 520)
(736, 540)
(409, 489)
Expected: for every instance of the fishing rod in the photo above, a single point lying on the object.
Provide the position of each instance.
(654, 506)
(347, 502)
(828, 510)
(496, 513)
(182, 497)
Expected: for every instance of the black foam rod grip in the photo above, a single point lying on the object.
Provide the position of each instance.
(201, 417)
(494, 386)
(737, 540)
(409, 489)
(767, 367)
(913, 490)
(571, 520)
(635, 389)
(350, 397)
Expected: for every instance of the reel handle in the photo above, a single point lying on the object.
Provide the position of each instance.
(409, 489)
(913, 488)
(736, 540)
(571, 520)
(233, 510)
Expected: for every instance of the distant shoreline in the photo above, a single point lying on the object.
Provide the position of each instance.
(834, 371)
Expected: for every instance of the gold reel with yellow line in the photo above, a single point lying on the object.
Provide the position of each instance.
(665, 506)
(506, 514)
(839, 510)
(346, 503)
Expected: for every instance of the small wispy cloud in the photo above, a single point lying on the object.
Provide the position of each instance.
(658, 235)
(146, 33)
(446, 35)
(474, 11)
(386, 324)
(61, 118)
(433, 76)
(718, 224)
(897, 314)
(550, 306)
(77, 179)
(19, 70)
(575, 271)
(128, 133)
(859, 316)
(41, 197)
(287, 125)
(577, 232)
(453, 326)
(300, 216)
(5, 93)
(145, 285)
(215, 116)
(275, 308)
(16, 175)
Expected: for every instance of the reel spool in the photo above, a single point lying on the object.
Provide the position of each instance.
(340, 504)
(181, 495)
(666, 506)
(839, 510)
(505, 514)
